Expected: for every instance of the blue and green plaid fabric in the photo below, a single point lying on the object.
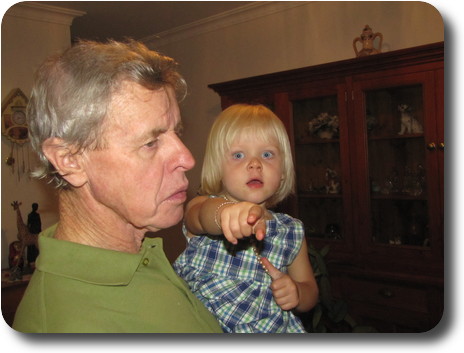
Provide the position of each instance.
(231, 282)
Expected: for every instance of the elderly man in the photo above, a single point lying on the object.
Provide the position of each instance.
(105, 121)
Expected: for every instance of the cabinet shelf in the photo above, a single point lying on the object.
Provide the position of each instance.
(316, 141)
(395, 137)
(376, 196)
(309, 195)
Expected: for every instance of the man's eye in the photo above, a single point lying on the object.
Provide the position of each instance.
(268, 154)
(152, 143)
(238, 155)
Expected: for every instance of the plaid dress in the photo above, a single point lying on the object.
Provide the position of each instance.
(232, 284)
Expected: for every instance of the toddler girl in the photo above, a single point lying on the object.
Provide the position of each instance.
(246, 263)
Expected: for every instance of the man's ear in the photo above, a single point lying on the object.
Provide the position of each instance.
(66, 161)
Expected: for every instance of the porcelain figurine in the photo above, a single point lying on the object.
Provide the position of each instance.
(367, 39)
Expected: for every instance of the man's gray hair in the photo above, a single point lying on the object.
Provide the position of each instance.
(72, 92)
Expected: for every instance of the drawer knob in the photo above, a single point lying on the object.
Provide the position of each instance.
(386, 293)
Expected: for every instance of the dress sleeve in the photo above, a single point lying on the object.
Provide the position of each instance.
(284, 237)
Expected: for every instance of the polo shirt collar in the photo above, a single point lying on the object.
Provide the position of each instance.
(89, 264)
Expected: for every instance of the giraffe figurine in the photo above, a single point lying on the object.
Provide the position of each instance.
(25, 237)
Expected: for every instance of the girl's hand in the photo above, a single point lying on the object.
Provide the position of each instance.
(241, 220)
(284, 289)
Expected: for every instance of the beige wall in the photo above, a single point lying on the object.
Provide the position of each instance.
(278, 36)
(259, 39)
(29, 34)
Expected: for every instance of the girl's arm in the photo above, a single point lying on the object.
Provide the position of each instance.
(298, 289)
(205, 215)
(196, 219)
(302, 273)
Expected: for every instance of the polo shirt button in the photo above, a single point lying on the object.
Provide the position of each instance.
(145, 261)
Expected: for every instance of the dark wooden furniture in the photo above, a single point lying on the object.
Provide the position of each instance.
(383, 212)
(12, 293)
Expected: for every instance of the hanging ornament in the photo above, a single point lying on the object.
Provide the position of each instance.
(10, 161)
(18, 171)
(23, 163)
(29, 172)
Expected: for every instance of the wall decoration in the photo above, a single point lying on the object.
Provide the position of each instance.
(25, 238)
(14, 124)
(14, 127)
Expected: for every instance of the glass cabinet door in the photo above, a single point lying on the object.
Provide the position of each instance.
(395, 119)
(318, 167)
(396, 159)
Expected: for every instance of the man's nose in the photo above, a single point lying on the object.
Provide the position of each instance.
(184, 157)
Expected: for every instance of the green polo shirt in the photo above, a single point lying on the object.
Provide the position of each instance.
(82, 289)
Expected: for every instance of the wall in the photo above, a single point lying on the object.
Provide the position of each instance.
(276, 36)
(29, 34)
(257, 39)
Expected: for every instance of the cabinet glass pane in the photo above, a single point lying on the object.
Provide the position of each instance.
(317, 157)
(397, 176)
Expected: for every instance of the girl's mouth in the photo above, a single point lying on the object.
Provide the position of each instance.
(255, 183)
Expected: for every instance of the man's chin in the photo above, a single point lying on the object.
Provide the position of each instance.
(169, 220)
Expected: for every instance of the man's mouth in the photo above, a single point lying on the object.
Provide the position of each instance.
(179, 195)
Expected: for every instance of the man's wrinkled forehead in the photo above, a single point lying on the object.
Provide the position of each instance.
(134, 91)
(130, 94)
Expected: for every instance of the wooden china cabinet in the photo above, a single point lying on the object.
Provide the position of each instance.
(368, 143)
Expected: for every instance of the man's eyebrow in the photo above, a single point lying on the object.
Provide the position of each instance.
(159, 131)
(148, 135)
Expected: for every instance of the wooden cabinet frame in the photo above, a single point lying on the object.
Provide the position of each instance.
(378, 280)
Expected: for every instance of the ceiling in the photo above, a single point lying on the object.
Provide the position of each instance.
(137, 19)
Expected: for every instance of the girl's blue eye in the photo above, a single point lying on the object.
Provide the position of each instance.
(238, 155)
(267, 154)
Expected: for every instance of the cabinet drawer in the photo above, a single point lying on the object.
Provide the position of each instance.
(387, 294)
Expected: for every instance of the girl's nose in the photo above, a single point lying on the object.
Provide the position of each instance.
(255, 164)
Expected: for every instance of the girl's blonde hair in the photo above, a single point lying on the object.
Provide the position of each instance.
(235, 121)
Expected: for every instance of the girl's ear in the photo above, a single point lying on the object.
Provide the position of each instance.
(66, 161)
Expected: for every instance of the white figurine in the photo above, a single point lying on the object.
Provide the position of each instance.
(333, 183)
(409, 124)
